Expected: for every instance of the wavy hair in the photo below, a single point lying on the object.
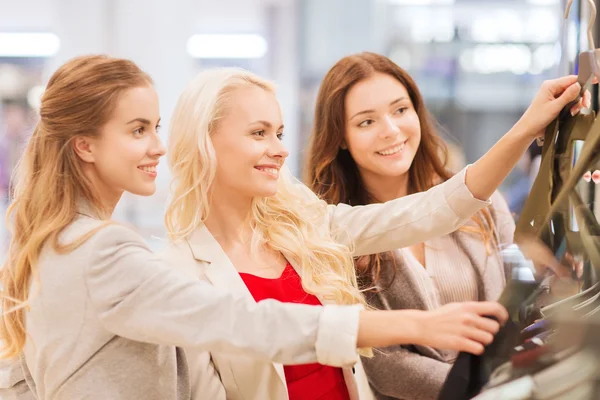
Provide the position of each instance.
(291, 222)
(49, 180)
(333, 174)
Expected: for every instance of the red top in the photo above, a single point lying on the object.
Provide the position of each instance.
(308, 381)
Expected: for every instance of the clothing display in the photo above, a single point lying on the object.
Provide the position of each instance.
(529, 358)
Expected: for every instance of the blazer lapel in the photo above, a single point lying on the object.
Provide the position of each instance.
(221, 272)
(218, 269)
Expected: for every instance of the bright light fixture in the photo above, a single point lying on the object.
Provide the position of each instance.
(32, 44)
(543, 2)
(227, 46)
(421, 2)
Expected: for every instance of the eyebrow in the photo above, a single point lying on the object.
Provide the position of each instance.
(142, 121)
(266, 124)
(399, 99)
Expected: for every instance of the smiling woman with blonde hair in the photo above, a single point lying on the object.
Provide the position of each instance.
(240, 221)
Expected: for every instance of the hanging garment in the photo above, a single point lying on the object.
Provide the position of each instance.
(546, 215)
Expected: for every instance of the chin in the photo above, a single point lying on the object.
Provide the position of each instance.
(266, 192)
(144, 191)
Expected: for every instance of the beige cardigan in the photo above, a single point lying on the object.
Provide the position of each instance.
(417, 372)
(371, 229)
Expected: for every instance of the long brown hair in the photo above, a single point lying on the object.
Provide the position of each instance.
(79, 99)
(332, 173)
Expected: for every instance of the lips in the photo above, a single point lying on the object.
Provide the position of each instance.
(392, 150)
(268, 169)
(151, 169)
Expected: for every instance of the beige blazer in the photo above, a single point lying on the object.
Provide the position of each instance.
(105, 318)
(371, 229)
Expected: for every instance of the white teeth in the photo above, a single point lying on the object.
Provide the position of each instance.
(391, 151)
(148, 169)
(272, 171)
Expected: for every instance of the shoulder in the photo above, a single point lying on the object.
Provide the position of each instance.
(112, 233)
(179, 255)
(177, 252)
(100, 236)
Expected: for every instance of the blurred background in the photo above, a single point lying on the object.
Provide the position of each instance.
(477, 62)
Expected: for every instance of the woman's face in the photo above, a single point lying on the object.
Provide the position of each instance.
(124, 156)
(383, 131)
(248, 145)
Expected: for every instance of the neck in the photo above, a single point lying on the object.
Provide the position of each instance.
(107, 196)
(229, 218)
(386, 188)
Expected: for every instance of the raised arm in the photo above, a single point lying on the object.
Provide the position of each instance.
(405, 221)
(444, 208)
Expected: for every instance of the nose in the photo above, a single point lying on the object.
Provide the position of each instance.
(278, 150)
(158, 148)
(390, 127)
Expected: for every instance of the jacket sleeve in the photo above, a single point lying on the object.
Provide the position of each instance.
(137, 295)
(405, 221)
(13, 385)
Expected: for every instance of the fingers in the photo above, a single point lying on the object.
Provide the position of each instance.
(468, 346)
(584, 102)
(559, 85)
(541, 256)
(569, 95)
(587, 99)
(478, 335)
(589, 176)
(489, 309)
(485, 324)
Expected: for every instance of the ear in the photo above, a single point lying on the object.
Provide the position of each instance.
(83, 149)
(344, 146)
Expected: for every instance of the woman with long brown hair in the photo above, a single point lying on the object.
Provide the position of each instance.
(373, 141)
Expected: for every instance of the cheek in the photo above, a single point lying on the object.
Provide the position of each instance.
(124, 155)
(412, 125)
(360, 144)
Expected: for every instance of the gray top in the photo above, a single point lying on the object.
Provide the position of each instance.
(418, 372)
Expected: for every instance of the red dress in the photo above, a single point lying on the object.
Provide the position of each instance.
(308, 381)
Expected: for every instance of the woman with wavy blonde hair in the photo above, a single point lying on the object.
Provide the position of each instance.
(240, 221)
(88, 310)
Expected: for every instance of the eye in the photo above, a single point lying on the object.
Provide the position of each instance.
(366, 123)
(401, 110)
(260, 133)
(158, 128)
(280, 135)
(139, 131)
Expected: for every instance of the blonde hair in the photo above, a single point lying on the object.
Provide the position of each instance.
(49, 181)
(291, 222)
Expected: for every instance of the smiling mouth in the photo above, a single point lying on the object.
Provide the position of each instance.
(148, 169)
(269, 170)
(393, 150)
